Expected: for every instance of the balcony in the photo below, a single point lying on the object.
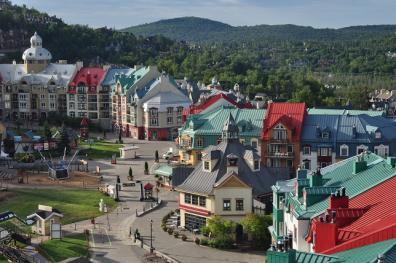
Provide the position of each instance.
(279, 141)
(280, 154)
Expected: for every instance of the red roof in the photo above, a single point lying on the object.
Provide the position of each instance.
(289, 114)
(195, 109)
(89, 77)
(372, 218)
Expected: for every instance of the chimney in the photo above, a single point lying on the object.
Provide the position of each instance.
(360, 165)
(354, 132)
(232, 163)
(339, 199)
(325, 234)
(79, 65)
(391, 161)
(316, 178)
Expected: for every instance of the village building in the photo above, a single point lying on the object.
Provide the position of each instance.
(301, 206)
(330, 136)
(225, 183)
(30, 91)
(45, 217)
(205, 129)
(280, 146)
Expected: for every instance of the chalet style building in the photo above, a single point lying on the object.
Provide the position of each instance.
(203, 130)
(280, 146)
(226, 181)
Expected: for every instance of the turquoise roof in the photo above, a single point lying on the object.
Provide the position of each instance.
(304, 257)
(341, 175)
(368, 254)
(128, 81)
(249, 121)
(313, 111)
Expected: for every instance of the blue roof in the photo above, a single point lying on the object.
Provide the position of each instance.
(341, 128)
(109, 78)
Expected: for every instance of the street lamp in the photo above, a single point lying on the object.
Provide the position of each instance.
(151, 236)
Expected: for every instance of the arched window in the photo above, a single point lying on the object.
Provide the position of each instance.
(344, 150)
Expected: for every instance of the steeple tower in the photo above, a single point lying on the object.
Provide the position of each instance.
(230, 130)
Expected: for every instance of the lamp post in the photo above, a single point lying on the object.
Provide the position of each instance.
(151, 236)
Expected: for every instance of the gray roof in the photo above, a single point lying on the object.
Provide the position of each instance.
(202, 182)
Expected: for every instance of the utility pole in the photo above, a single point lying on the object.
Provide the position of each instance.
(151, 236)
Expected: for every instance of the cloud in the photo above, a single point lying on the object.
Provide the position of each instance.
(317, 13)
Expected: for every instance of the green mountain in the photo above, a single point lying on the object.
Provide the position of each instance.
(74, 42)
(201, 30)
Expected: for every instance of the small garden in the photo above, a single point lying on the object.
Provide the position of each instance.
(221, 233)
(57, 250)
(99, 149)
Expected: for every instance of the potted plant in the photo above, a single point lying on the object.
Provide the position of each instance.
(130, 174)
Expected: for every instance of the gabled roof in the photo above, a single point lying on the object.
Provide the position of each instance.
(290, 114)
(249, 121)
(202, 182)
(89, 77)
(110, 77)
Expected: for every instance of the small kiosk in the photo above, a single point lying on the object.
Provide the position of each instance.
(128, 152)
(47, 221)
(148, 191)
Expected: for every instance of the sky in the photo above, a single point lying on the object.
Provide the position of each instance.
(317, 13)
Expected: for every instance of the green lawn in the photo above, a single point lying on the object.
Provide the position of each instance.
(76, 205)
(100, 150)
(67, 247)
(3, 260)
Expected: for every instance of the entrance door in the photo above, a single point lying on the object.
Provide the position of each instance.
(154, 135)
(239, 233)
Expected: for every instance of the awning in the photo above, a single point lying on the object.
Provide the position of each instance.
(164, 170)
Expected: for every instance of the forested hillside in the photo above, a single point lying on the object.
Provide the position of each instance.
(296, 67)
(201, 30)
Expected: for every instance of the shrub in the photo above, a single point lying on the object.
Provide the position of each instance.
(176, 234)
(256, 225)
(205, 231)
(164, 228)
(170, 231)
(204, 242)
(197, 240)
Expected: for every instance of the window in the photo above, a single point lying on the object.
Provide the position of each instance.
(256, 165)
(43, 105)
(52, 106)
(290, 148)
(254, 144)
(153, 121)
(22, 105)
(381, 150)
(194, 199)
(42, 96)
(289, 163)
(378, 135)
(226, 205)
(306, 164)
(153, 112)
(324, 151)
(344, 150)
(72, 114)
(169, 120)
(200, 142)
(187, 198)
(307, 150)
(202, 201)
(239, 204)
(206, 166)
(169, 110)
(279, 133)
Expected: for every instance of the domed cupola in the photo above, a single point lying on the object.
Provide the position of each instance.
(36, 58)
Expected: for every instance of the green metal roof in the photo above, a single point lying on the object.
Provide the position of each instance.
(164, 170)
(128, 81)
(344, 112)
(304, 257)
(211, 123)
(368, 254)
(341, 175)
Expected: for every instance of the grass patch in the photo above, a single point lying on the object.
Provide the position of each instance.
(76, 205)
(100, 150)
(3, 260)
(67, 247)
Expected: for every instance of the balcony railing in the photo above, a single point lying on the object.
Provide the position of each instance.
(280, 154)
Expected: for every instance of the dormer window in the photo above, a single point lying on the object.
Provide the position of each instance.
(325, 135)
(200, 142)
(232, 161)
(344, 150)
(378, 135)
(206, 166)
(279, 132)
